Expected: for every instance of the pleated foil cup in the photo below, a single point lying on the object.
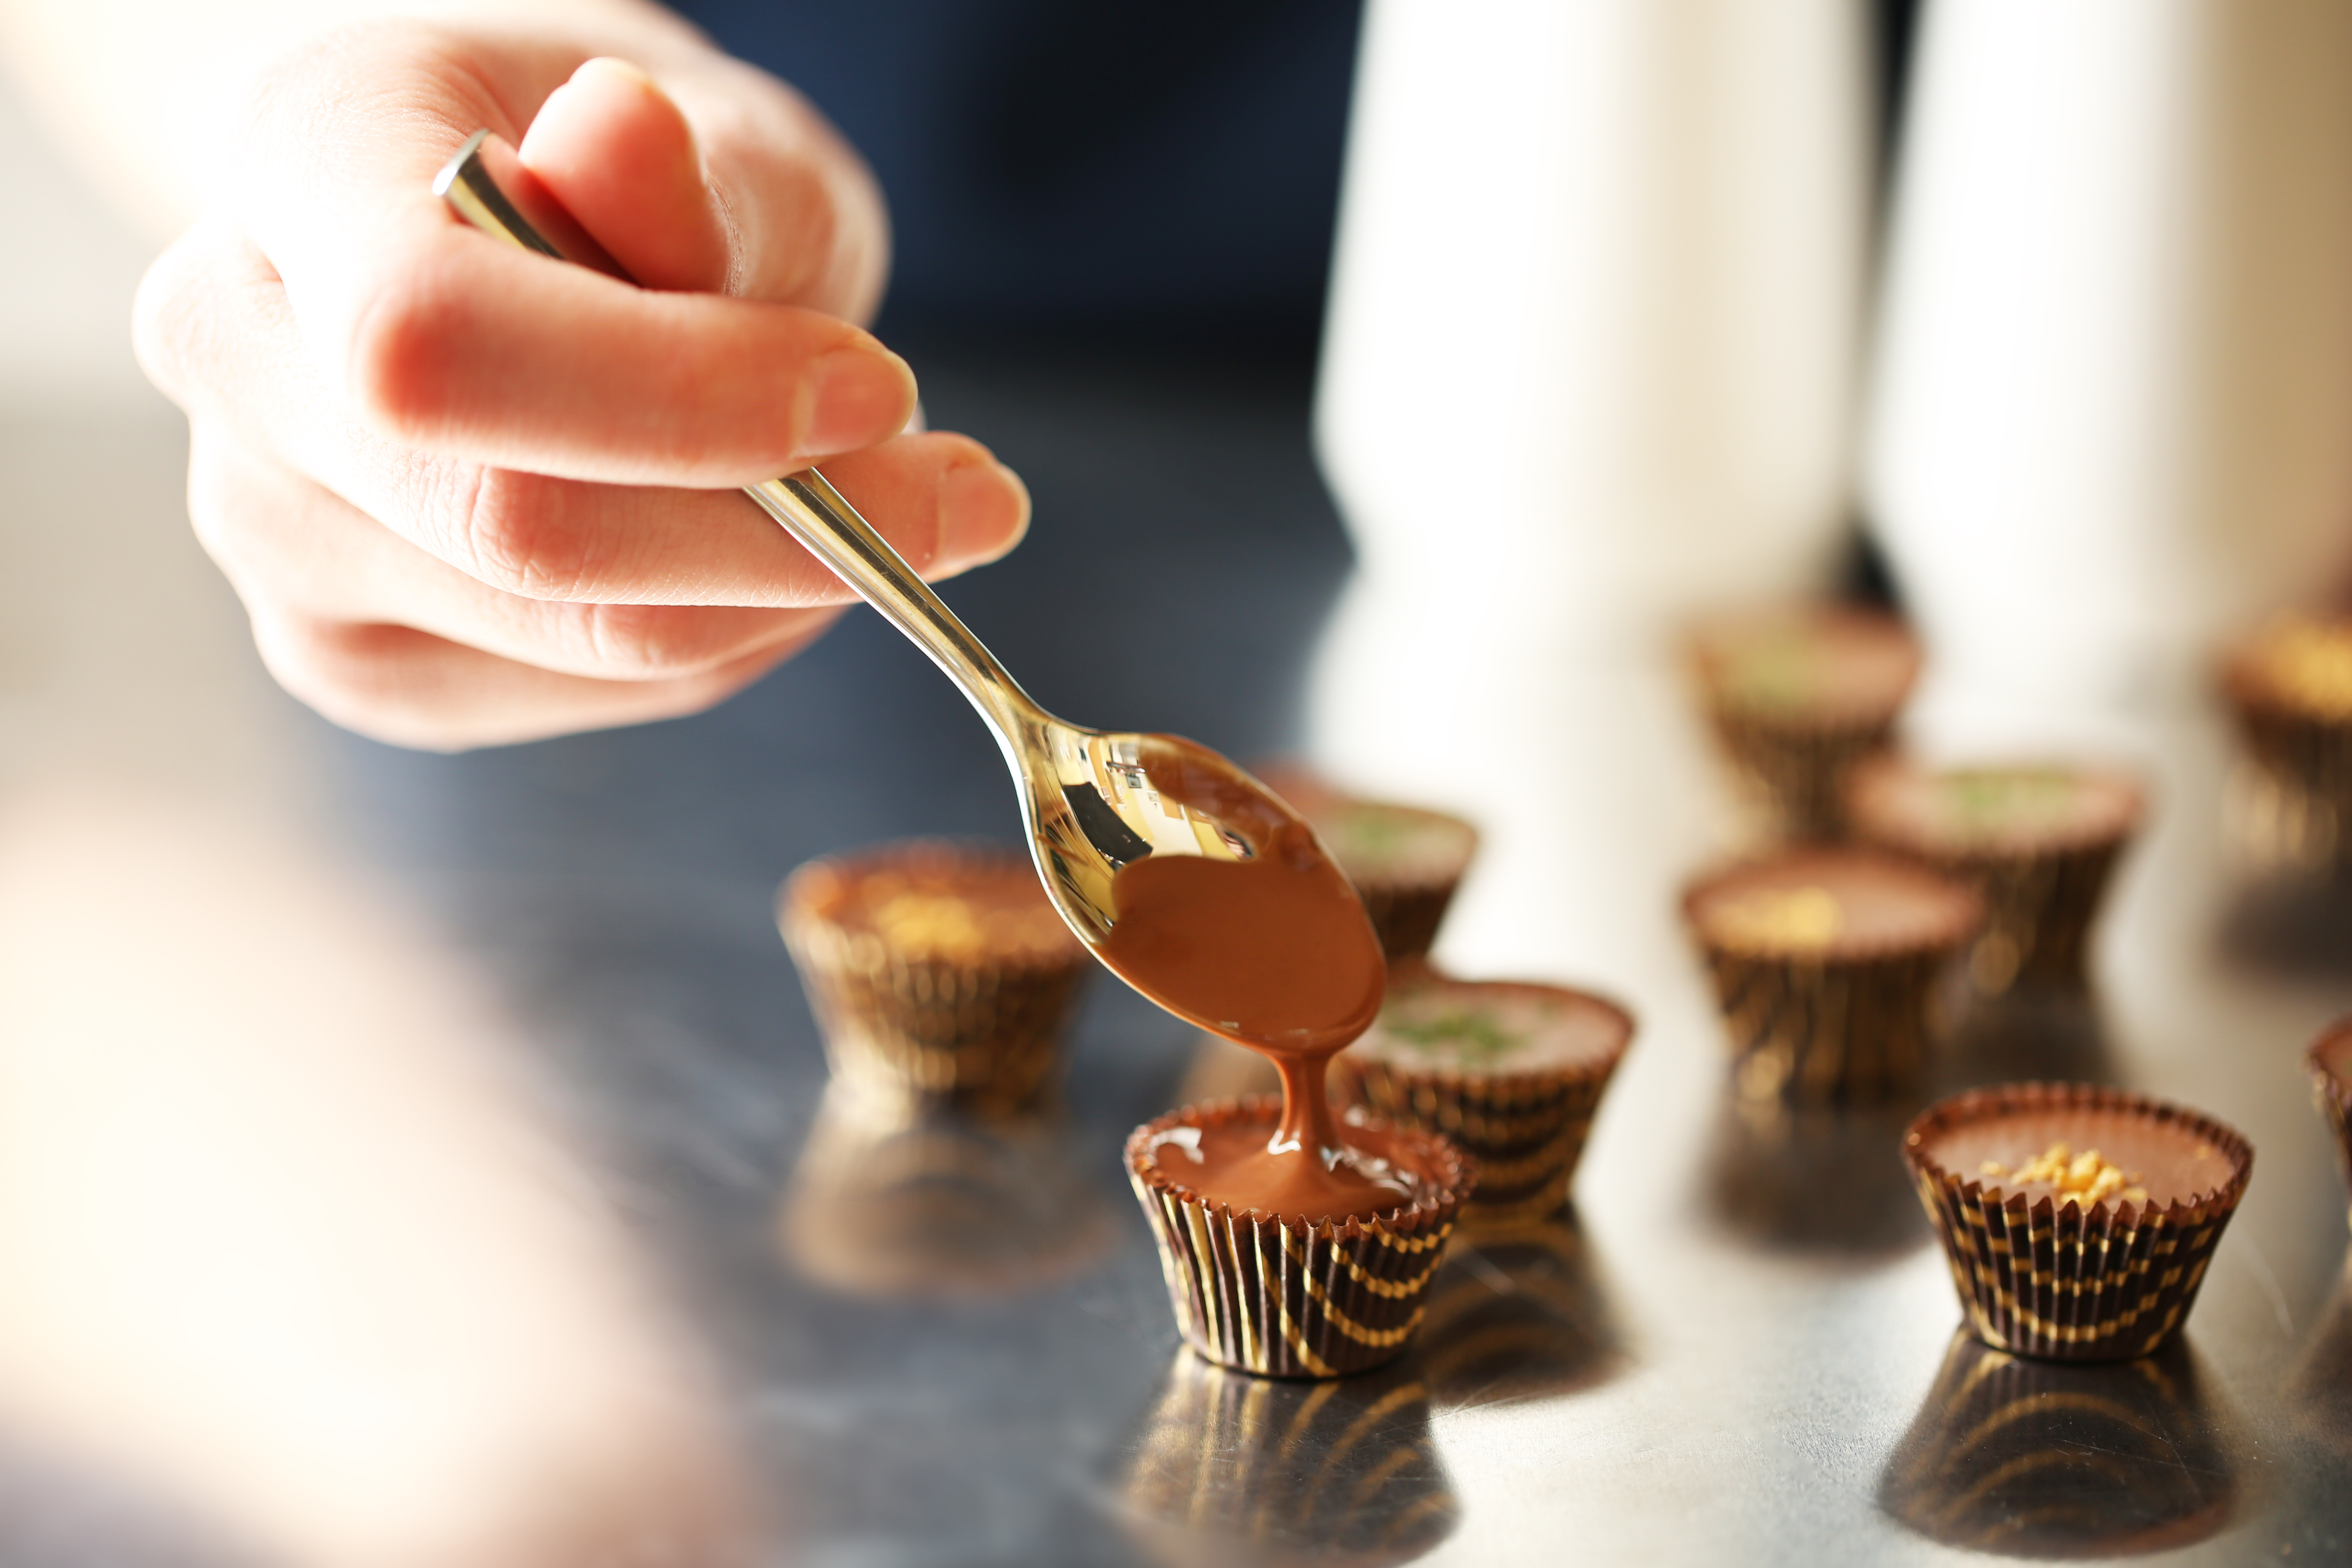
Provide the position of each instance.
(2303, 765)
(1526, 1130)
(1406, 915)
(1285, 1298)
(1825, 1031)
(984, 1033)
(1795, 773)
(2039, 911)
(1843, 677)
(2041, 898)
(2329, 1092)
(2058, 1281)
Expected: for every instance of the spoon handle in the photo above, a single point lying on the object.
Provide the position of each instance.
(805, 503)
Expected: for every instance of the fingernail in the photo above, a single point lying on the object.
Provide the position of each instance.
(983, 513)
(862, 395)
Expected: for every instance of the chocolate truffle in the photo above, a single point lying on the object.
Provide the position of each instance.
(1293, 1295)
(936, 970)
(1797, 696)
(2289, 688)
(2078, 1220)
(1511, 1072)
(1404, 860)
(1824, 961)
(2039, 842)
(2330, 1061)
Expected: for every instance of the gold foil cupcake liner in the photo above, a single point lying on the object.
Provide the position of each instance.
(1526, 1131)
(1794, 774)
(1406, 915)
(2039, 911)
(1281, 1297)
(985, 1034)
(2058, 1281)
(2302, 811)
(2332, 1095)
(1813, 1031)
(2035, 1460)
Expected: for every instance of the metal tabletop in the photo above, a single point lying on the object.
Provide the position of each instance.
(1741, 1348)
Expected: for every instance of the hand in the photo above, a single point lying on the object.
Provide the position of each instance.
(471, 494)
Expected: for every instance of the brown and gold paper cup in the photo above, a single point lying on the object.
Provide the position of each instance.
(2330, 1061)
(937, 971)
(2039, 842)
(2078, 1220)
(2289, 689)
(1511, 1072)
(1282, 1297)
(1797, 696)
(1824, 961)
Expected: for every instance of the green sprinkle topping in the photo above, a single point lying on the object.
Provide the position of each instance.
(1997, 799)
(1469, 1037)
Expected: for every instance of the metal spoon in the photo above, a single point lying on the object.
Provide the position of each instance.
(1093, 800)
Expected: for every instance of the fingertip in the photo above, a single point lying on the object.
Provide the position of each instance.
(860, 394)
(983, 513)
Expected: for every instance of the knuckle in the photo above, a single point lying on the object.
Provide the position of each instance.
(658, 642)
(398, 356)
(523, 534)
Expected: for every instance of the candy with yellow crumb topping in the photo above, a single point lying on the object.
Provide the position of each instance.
(937, 971)
(1824, 960)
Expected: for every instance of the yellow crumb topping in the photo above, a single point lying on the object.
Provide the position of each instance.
(930, 922)
(2310, 664)
(1780, 919)
(2085, 1177)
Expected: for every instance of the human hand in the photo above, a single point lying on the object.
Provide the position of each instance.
(471, 495)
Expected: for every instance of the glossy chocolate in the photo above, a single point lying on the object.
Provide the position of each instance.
(1274, 952)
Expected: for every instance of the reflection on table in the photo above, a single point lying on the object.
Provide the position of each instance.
(2056, 1035)
(1517, 1311)
(2042, 1460)
(2322, 1387)
(892, 1200)
(1237, 1471)
(1822, 1179)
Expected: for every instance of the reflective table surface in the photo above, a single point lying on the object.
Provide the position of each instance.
(947, 1340)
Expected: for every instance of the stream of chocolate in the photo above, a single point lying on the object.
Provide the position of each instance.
(1274, 952)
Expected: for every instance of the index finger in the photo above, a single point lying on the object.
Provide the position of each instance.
(445, 340)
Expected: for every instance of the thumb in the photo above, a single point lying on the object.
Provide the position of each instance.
(617, 152)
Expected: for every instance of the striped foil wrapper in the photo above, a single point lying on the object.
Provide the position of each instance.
(2039, 911)
(1795, 773)
(1827, 1031)
(1281, 1297)
(984, 1034)
(2303, 764)
(1406, 915)
(1526, 1131)
(2058, 1281)
(2331, 1094)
